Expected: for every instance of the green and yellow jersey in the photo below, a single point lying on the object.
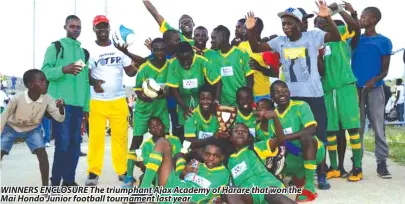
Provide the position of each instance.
(249, 121)
(296, 117)
(338, 70)
(198, 127)
(148, 145)
(247, 168)
(261, 87)
(261, 135)
(190, 81)
(165, 26)
(148, 70)
(233, 67)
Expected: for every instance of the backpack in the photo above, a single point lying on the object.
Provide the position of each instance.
(59, 47)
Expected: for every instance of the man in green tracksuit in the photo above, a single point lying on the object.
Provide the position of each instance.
(68, 75)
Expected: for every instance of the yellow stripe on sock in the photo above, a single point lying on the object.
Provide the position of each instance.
(180, 168)
(310, 166)
(356, 146)
(132, 157)
(332, 147)
(354, 137)
(331, 139)
(152, 166)
(180, 160)
(155, 156)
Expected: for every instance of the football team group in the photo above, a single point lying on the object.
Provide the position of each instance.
(219, 118)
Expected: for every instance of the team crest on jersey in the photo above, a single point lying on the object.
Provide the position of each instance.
(201, 181)
(238, 169)
(190, 83)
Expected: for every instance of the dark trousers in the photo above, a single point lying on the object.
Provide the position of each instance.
(67, 145)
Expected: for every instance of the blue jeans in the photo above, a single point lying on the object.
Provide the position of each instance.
(46, 127)
(67, 145)
(33, 138)
(400, 109)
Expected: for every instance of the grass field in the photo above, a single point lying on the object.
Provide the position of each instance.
(396, 142)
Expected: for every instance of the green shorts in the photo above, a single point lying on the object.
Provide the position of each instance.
(342, 105)
(174, 181)
(294, 165)
(141, 117)
(262, 181)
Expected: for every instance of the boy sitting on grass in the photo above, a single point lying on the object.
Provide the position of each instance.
(23, 115)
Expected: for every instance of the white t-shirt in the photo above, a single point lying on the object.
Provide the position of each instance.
(400, 90)
(107, 64)
(300, 62)
(3, 98)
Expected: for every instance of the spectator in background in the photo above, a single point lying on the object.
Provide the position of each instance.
(3, 100)
(387, 93)
(46, 130)
(13, 82)
(370, 62)
(305, 17)
(399, 100)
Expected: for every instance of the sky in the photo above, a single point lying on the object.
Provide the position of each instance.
(29, 47)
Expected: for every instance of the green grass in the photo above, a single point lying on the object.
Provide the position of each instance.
(396, 142)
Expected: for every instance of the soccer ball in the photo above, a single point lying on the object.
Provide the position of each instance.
(151, 89)
(123, 35)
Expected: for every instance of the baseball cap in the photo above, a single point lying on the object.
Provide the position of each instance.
(293, 12)
(304, 13)
(100, 19)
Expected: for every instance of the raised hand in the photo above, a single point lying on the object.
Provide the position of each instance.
(148, 44)
(323, 9)
(123, 48)
(250, 20)
(348, 7)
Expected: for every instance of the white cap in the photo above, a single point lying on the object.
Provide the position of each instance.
(293, 12)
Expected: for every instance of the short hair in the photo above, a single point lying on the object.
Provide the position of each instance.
(375, 11)
(183, 47)
(242, 20)
(268, 102)
(168, 34)
(242, 89)
(200, 28)
(157, 40)
(155, 118)
(224, 31)
(70, 17)
(339, 23)
(399, 81)
(29, 76)
(218, 143)
(259, 24)
(206, 88)
(186, 16)
(274, 84)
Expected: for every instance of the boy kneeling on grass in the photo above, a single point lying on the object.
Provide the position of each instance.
(23, 115)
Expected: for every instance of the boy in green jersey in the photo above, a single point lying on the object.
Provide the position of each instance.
(145, 107)
(262, 127)
(156, 128)
(186, 23)
(203, 124)
(304, 150)
(232, 64)
(209, 175)
(246, 163)
(187, 73)
(246, 114)
(341, 99)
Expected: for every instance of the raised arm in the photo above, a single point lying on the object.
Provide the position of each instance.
(333, 35)
(152, 10)
(352, 24)
(254, 44)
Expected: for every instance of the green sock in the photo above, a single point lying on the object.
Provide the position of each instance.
(180, 165)
(310, 168)
(332, 150)
(131, 163)
(355, 143)
(154, 161)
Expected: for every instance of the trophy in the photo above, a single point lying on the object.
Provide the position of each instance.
(226, 116)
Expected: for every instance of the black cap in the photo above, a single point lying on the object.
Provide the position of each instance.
(304, 14)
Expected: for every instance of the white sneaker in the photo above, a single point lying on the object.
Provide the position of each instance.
(47, 144)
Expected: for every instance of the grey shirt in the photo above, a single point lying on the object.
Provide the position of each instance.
(300, 62)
